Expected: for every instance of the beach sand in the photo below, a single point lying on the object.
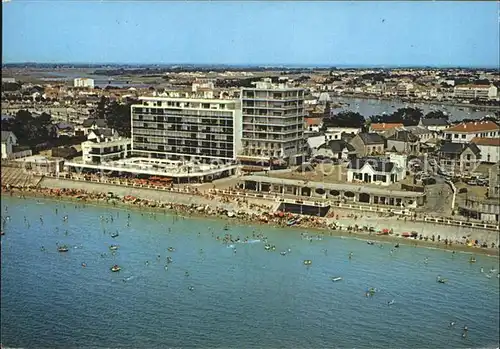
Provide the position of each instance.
(255, 206)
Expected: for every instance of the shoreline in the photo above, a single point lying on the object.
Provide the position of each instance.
(252, 217)
(484, 108)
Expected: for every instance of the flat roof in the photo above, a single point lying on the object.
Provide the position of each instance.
(175, 173)
(332, 186)
(183, 99)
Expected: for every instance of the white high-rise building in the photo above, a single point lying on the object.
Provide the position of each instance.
(186, 129)
(273, 123)
(83, 82)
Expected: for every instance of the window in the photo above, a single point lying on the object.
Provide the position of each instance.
(463, 136)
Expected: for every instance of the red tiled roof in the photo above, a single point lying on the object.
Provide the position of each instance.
(486, 141)
(384, 126)
(313, 121)
(474, 127)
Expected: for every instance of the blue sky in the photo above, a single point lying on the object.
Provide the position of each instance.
(278, 32)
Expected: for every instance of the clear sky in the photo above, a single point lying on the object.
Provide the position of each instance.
(294, 33)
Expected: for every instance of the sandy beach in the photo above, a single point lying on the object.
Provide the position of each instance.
(259, 211)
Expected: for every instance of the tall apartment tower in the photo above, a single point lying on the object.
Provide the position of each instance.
(186, 129)
(273, 122)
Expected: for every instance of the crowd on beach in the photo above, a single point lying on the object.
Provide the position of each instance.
(245, 211)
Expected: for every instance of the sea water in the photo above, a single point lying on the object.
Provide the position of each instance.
(212, 296)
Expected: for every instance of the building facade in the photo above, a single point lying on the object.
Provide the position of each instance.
(273, 123)
(83, 82)
(459, 157)
(483, 92)
(466, 131)
(205, 130)
(490, 149)
(485, 208)
(368, 144)
(9, 140)
(97, 152)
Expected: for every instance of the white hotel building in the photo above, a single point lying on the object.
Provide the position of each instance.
(83, 82)
(273, 123)
(186, 129)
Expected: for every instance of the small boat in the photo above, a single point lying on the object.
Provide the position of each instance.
(171, 249)
(336, 278)
(370, 243)
(2, 233)
(406, 235)
(283, 253)
(472, 260)
(63, 248)
(267, 247)
(113, 247)
(114, 235)
(169, 260)
(115, 268)
(441, 280)
(291, 222)
(397, 245)
(226, 227)
(307, 262)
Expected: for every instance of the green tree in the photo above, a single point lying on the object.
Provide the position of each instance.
(119, 117)
(345, 119)
(406, 116)
(436, 114)
(101, 108)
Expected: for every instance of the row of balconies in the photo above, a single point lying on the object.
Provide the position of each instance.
(278, 130)
(266, 137)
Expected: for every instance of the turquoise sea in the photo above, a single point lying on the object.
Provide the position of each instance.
(214, 296)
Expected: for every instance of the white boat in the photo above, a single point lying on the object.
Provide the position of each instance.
(336, 278)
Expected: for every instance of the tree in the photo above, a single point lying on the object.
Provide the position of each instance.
(101, 108)
(30, 131)
(436, 114)
(119, 117)
(327, 110)
(406, 116)
(345, 119)
(11, 87)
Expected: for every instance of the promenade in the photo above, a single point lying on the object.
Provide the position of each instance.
(343, 215)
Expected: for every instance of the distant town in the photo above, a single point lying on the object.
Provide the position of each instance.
(308, 137)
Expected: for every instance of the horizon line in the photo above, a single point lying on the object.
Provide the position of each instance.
(262, 65)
